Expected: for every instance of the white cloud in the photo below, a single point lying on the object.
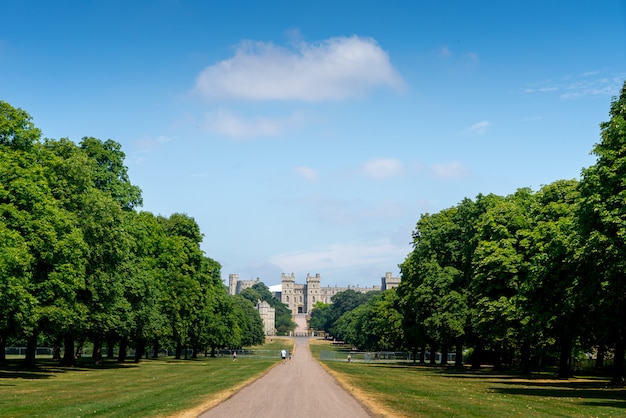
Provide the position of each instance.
(229, 124)
(449, 170)
(308, 173)
(341, 256)
(383, 168)
(479, 128)
(337, 68)
(148, 143)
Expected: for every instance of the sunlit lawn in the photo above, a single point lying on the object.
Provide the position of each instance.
(409, 390)
(162, 387)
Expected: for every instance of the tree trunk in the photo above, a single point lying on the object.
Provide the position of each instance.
(600, 357)
(525, 357)
(477, 356)
(618, 366)
(97, 350)
(212, 351)
(68, 356)
(121, 356)
(458, 362)
(3, 346)
(179, 351)
(79, 349)
(56, 350)
(444, 355)
(497, 358)
(141, 346)
(31, 351)
(433, 354)
(155, 348)
(414, 352)
(423, 354)
(565, 359)
(111, 348)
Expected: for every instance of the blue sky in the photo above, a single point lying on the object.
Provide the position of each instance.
(309, 137)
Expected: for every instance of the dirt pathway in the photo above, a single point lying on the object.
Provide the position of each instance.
(300, 389)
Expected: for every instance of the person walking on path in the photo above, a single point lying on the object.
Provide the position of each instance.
(283, 355)
(302, 390)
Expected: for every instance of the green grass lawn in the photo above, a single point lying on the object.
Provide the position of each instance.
(421, 391)
(162, 387)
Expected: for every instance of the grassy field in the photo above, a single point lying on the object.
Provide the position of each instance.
(407, 390)
(184, 388)
(163, 387)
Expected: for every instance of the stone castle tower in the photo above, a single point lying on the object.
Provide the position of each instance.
(313, 291)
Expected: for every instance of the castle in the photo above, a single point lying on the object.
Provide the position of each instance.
(300, 298)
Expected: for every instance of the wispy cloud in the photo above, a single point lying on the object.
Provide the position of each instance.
(479, 128)
(450, 170)
(589, 83)
(342, 255)
(334, 69)
(383, 168)
(467, 60)
(231, 125)
(149, 143)
(308, 173)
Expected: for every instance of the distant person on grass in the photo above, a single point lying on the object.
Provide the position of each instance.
(283, 355)
(234, 355)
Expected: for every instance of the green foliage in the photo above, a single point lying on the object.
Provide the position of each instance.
(78, 263)
(16, 128)
(249, 323)
(282, 314)
(602, 213)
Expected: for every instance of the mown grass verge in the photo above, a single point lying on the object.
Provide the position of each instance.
(162, 387)
(407, 390)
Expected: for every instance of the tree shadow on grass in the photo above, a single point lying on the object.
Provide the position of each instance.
(45, 369)
(616, 395)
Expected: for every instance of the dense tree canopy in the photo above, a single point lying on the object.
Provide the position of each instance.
(79, 263)
(529, 277)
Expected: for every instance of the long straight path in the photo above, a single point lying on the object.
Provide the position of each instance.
(300, 389)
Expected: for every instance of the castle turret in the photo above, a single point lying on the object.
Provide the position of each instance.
(313, 291)
(288, 297)
(232, 283)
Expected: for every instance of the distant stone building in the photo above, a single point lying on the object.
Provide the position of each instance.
(235, 286)
(389, 282)
(268, 316)
(300, 298)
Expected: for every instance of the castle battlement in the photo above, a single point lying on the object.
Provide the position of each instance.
(300, 298)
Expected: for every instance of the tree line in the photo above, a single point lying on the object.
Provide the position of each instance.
(518, 278)
(79, 263)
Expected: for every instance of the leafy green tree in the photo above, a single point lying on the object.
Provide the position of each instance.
(248, 324)
(111, 175)
(17, 130)
(55, 243)
(320, 316)
(602, 214)
(345, 301)
(282, 315)
(500, 266)
(18, 305)
(551, 297)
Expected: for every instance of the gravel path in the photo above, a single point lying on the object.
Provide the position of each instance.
(301, 389)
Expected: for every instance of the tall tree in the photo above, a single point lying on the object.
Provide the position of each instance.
(550, 297)
(603, 224)
(111, 174)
